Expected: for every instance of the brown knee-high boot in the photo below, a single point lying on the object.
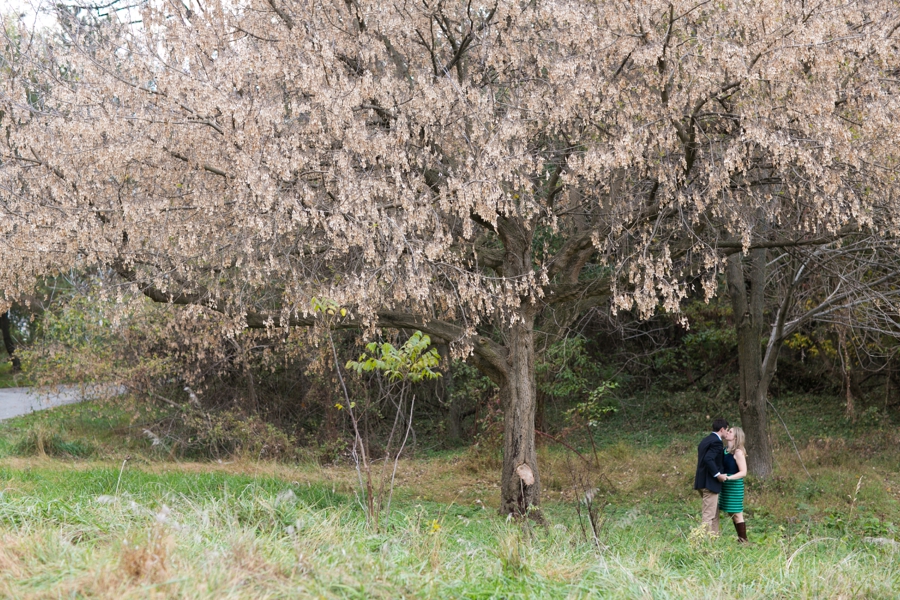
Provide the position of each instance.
(741, 529)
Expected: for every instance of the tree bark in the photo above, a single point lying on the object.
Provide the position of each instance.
(748, 303)
(9, 343)
(520, 485)
(520, 482)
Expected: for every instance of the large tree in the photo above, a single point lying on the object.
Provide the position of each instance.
(479, 171)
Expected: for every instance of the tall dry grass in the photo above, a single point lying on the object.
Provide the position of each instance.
(263, 530)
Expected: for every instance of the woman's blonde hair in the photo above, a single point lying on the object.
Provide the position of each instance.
(738, 443)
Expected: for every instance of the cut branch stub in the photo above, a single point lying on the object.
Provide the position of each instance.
(525, 474)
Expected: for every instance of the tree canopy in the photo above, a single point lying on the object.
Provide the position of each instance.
(445, 166)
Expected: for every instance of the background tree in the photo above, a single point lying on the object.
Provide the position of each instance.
(9, 343)
(474, 171)
(851, 283)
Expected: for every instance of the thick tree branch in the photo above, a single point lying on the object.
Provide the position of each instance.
(732, 246)
(205, 167)
(491, 355)
(288, 21)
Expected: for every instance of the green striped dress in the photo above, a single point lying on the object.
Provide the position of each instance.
(731, 498)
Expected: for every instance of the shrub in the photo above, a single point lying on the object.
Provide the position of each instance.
(199, 434)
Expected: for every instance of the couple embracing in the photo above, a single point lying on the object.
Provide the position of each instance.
(721, 468)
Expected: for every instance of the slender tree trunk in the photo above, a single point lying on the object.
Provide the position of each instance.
(453, 403)
(540, 415)
(8, 342)
(520, 483)
(454, 422)
(748, 302)
(846, 373)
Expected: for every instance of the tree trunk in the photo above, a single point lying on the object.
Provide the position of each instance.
(453, 403)
(756, 429)
(846, 374)
(748, 302)
(8, 342)
(540, 414)
(520, 483)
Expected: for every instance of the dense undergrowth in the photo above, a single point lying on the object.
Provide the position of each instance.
(118, 518)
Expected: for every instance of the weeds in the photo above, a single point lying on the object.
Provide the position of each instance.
(147, 559)
(854, 497)
(588, 505)
(702, 538)
(511, 553)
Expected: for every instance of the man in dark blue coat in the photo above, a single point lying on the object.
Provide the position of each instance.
(711, 474)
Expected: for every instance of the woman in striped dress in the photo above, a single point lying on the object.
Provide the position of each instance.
(731, 498)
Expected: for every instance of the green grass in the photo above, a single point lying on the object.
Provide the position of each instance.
(657, 419)
(183, 533)
(74, 431)
(125, 523)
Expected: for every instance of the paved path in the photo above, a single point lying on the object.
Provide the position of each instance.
(23, 400)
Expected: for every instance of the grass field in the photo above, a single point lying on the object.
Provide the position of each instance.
(107, 527)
